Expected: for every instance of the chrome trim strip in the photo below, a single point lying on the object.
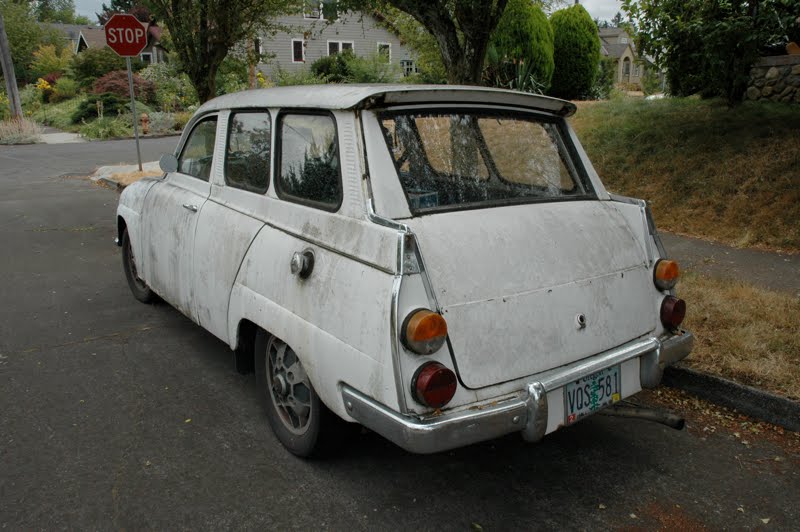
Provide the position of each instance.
(439, 433)
(395, 343)
(526, 412)
(537, 413)
(671, 349)
(558, 377)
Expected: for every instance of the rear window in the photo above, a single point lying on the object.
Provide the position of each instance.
(465, 160)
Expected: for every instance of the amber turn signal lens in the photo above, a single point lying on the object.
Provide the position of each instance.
(673, 310)
(434, 384)
(666, 274)
(424, 332)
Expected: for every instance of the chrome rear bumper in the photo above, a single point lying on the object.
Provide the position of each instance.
(525, 412)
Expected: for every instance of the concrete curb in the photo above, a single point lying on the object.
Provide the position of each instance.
(745, 399)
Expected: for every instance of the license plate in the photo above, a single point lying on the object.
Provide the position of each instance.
(591, 393)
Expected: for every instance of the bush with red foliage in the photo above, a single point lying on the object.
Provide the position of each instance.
(52, 77)
(116, 82)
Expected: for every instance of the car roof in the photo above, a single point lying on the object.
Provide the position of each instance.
(345, 96)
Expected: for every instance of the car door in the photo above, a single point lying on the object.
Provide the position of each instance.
(172, 210)
(231, 218)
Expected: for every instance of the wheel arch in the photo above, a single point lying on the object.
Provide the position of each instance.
(327, 360)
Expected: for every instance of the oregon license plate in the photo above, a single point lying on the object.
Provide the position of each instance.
(591, 393)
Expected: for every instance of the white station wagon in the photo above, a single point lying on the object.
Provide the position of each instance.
(439, 264)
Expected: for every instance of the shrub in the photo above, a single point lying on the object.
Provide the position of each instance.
(4, 110)
(346, 67)
(333, 68)
(523, 36)
(20, 131)
(576, 52)
(107, 104)
(301, 77)
(108, 127)
(181, 119)
(161, 123)
(93, 63)
(116, 82)
(64, 89)
(604, 83)
(174, 91)
(232, 76)
(47, 60)
(372, 69)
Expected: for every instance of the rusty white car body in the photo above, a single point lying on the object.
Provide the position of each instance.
(439, 264)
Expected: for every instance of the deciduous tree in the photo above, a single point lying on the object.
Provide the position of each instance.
(709, 47)
(204, 32)
(461, 29)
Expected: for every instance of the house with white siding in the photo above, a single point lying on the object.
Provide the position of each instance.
(321, 30)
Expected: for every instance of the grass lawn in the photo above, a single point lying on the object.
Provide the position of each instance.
(731, 175)
(744, 333)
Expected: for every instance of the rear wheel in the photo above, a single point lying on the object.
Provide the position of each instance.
(138, 287)
(300, 421)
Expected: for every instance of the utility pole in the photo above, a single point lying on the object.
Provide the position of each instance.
(8, 73)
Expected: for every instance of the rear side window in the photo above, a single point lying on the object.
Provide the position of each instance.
(247, 156)
(308, 167)
(198, 152)
(475, 159)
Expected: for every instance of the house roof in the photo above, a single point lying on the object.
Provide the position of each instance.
(336, 96)
(610, 32)
(94, 37)
(614, 50)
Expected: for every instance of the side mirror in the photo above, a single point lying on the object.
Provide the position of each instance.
(168, 163)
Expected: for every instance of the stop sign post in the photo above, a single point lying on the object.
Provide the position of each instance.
(128, 37)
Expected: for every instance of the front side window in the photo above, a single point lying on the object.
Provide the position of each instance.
(247, 156)
(198, 152)
(309, 161)
(385, 50)
(477, 159)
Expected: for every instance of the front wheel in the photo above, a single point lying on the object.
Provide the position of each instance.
(138, 287)
(300, 421)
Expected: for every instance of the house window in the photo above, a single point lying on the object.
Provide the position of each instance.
(623, 40)
(385, 49)
(312, 9)
(298, 51)
(321, 10)
(258, 47)
(637, 70)
(334, 47)
(408, 66)
(626, 67)
(147, 58)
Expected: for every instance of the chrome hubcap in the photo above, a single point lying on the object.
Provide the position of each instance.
(289, 387)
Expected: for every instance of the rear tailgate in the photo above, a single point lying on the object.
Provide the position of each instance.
(512, 282)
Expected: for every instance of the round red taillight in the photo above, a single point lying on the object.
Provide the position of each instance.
(434, 384)
(673, 310)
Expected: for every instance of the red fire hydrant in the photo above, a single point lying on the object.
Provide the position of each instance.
(145, 123)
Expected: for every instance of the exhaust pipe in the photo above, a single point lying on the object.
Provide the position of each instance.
(648, 414)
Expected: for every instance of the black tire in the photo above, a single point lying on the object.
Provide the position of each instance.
(321, 433)
(138, 287)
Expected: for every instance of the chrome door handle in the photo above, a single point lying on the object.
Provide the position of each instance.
(192, 208)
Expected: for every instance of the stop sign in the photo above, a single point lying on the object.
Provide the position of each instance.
(126, 35)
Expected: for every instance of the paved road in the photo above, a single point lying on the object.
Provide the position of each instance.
(119, 415)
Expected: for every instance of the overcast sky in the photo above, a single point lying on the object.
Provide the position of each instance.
(602, 9)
